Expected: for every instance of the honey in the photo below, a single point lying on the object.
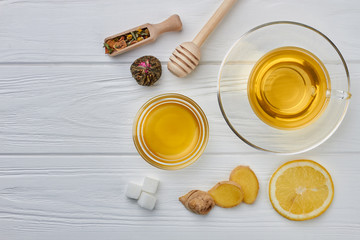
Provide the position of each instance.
(171, 131)
(288, 87)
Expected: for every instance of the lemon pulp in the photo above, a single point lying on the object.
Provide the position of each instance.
(301, 190)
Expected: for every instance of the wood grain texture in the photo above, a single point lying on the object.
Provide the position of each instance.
(73, 31)
(66, 112)
(90, 109)
(73, 197)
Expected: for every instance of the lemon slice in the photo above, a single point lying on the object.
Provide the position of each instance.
(301, 190)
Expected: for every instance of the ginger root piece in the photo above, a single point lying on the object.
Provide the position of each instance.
(227, 194)
(198, 202)
(248, 182)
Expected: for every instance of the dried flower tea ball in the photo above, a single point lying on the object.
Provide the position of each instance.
(146, 70)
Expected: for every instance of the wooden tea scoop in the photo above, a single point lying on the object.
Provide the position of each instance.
(173, 23)
(187, 56)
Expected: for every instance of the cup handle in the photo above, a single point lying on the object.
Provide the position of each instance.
(339, 94)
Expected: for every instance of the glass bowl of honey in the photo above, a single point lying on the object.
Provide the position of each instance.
(284, 87)
(170, 131)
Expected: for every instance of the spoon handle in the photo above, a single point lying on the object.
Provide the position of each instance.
(213, 22)
(173, 23)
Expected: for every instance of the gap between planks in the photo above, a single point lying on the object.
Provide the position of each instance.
(96, 63)
(96, 154)
(164, 63)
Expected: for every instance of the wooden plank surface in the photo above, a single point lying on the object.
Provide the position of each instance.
(73, 31)
(66, 113)
(76, 197)
(90, 109)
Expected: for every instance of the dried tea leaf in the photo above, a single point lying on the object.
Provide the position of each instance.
(130, 38)
(120, 45)
(146, 70)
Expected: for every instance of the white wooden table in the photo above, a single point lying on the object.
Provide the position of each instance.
(66, 113)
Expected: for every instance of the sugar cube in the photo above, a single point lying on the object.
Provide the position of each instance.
(147, 201)
(133, 190)
(150, 185)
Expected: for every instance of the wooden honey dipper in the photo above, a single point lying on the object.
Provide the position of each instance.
(186, 57)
